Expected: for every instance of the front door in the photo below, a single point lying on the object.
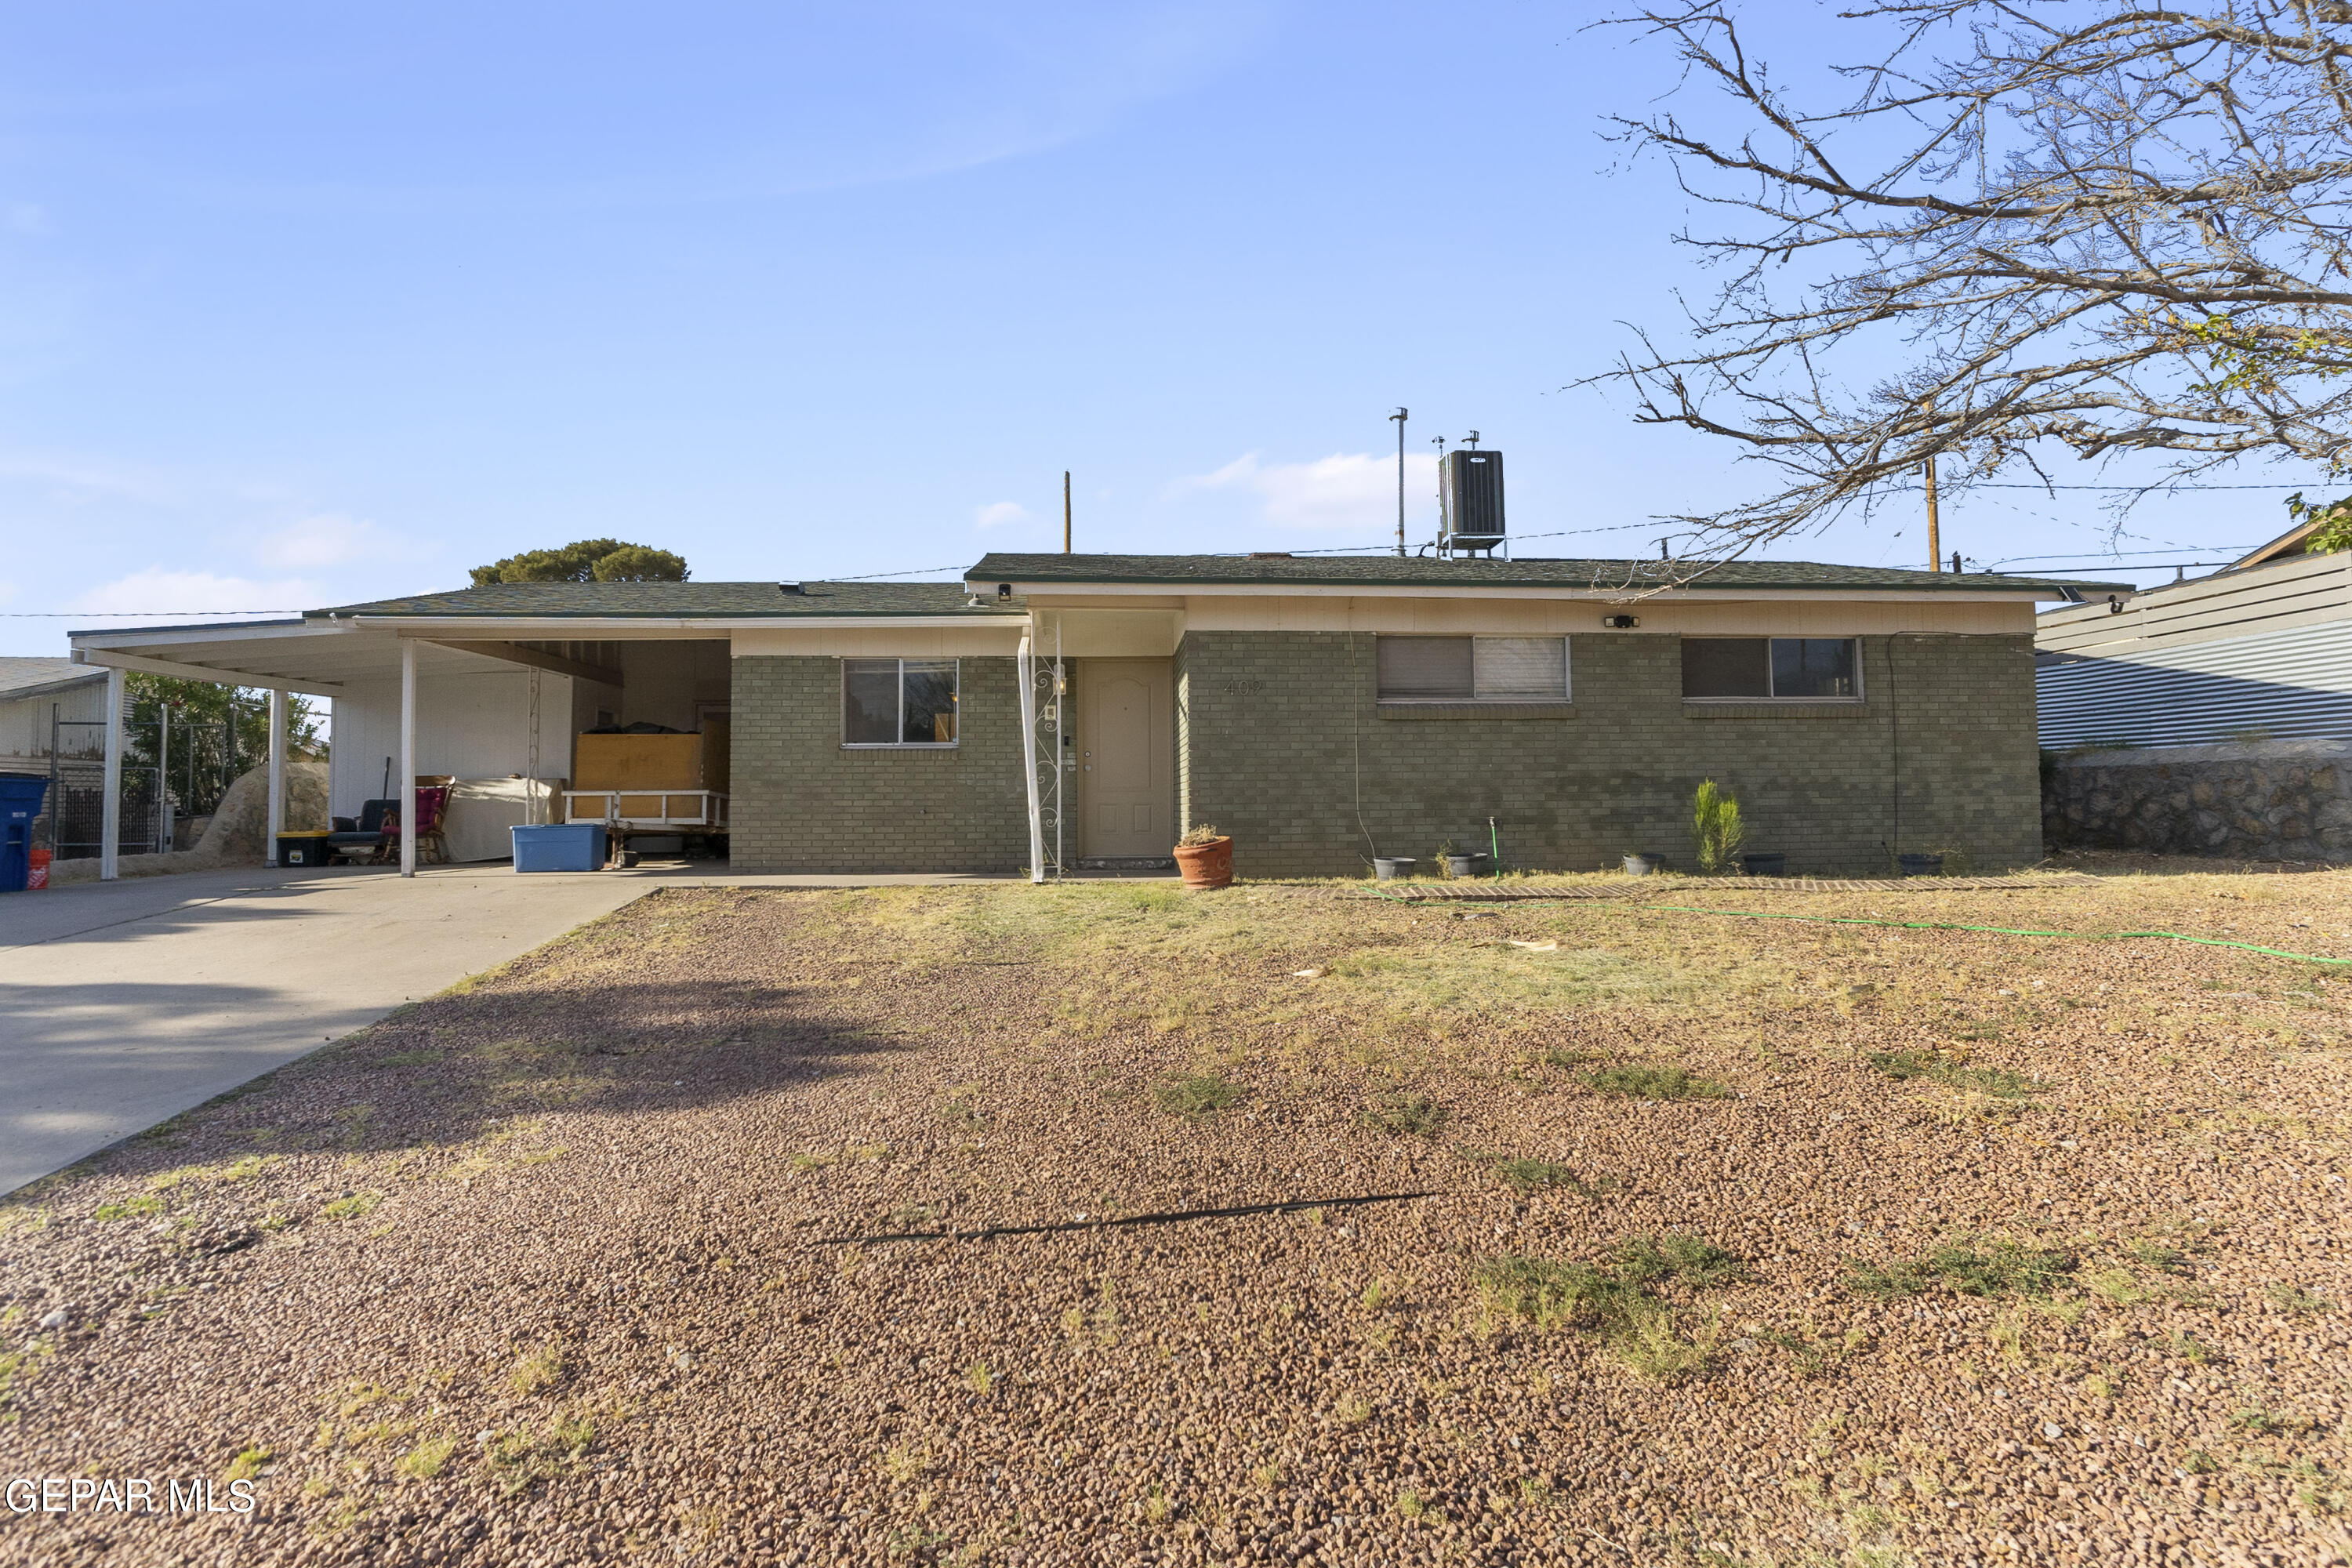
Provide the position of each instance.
(1127, 756)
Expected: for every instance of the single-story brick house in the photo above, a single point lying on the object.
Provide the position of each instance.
(1319, 708)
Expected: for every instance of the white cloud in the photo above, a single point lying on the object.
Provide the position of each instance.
(1346, 489)
(997, 513)
(329, 539)
(157, 591)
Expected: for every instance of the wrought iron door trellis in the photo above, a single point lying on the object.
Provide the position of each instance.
(1046, 751)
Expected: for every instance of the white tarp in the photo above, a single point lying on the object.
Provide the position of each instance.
(481, 810)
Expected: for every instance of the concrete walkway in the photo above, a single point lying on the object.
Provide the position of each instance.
(122, 1004)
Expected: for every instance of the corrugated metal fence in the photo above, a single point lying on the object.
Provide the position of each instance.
(2286, 685)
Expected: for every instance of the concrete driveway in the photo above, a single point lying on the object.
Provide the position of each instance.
(122, 1004)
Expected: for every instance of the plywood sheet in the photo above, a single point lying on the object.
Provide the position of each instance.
(639, 762)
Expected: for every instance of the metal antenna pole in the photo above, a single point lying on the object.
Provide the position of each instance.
(1439, 442)
(1399, 418)
(1065, 511)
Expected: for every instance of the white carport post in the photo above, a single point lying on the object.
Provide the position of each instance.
(110, 826)
(407, 757)
(1026, 673)
(276, 824)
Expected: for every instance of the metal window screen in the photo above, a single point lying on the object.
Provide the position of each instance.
(1425, 668)
(930, 688)
(1813, 667)
(1521, 669)
(869, 701)
(1726, 667)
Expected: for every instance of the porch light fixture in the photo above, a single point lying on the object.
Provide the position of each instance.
(1620, 623)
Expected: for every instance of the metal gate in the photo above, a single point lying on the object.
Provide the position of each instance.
(77, 800)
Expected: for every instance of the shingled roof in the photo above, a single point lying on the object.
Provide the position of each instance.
(1463, 572)
(664, 601)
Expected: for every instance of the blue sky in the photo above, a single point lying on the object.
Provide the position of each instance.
(299, 305)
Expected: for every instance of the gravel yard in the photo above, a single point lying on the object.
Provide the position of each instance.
(1735, 1241)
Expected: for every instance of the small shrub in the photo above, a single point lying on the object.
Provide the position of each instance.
(517, 1459)
(425, 1460)
(247, 1465)
(350, 1206)
(902, 1462)
(1997, 1083)
(1615, 1299)
(1684, 1258)
(536, 1369)
(1715, 827)
(1652, 1081)
(130, 1208)
(1406, 1115)
(1195, 1095)
(1992, 1269)
(1203, 833)
(2289, 1297)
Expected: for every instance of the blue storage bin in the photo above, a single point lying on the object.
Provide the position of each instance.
(560, 847)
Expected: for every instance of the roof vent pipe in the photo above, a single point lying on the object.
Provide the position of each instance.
(789, 588)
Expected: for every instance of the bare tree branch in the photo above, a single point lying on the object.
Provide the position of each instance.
(2124, 229)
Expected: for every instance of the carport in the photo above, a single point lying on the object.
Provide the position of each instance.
(491, 698)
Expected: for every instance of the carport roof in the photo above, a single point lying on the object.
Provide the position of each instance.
(669, 601)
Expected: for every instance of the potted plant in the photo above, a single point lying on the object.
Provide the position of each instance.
(1716, 829)
(1204, 857)
(1455, 863)
(1645, 863)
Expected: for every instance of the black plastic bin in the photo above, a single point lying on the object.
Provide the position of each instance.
(304, 849)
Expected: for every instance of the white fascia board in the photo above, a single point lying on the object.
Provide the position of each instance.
(107, 660)
(582, 629)
(1042, 594)
(225, 631)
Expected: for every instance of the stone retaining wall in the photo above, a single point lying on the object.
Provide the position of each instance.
(2288, 800)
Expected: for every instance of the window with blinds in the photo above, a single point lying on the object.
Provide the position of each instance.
(1472, 669)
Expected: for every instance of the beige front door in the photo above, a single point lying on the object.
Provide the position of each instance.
(1127, 756)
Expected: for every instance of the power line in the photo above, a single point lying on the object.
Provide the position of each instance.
(128, 615)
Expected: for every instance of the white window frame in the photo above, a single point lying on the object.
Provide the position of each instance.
(1567, 671)
(1855, 700)
(849, 745)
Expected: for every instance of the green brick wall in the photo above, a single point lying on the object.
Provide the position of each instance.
(802, 803)
(1283, 745)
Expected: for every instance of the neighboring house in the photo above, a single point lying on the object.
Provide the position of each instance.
(1318, 709)
(41, 697)
(2260, 650)
(52, 719)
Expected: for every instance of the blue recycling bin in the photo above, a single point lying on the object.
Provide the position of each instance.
(20, 801)
(560, 847)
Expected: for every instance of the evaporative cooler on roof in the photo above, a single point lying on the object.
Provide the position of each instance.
(1470, 500)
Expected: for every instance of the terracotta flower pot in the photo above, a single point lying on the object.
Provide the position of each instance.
(1209, 865)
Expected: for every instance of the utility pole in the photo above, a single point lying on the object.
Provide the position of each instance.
(1065, 511)
(1934, 538)
(1399, 417)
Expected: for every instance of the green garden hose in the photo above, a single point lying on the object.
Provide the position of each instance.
(1930, 925)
